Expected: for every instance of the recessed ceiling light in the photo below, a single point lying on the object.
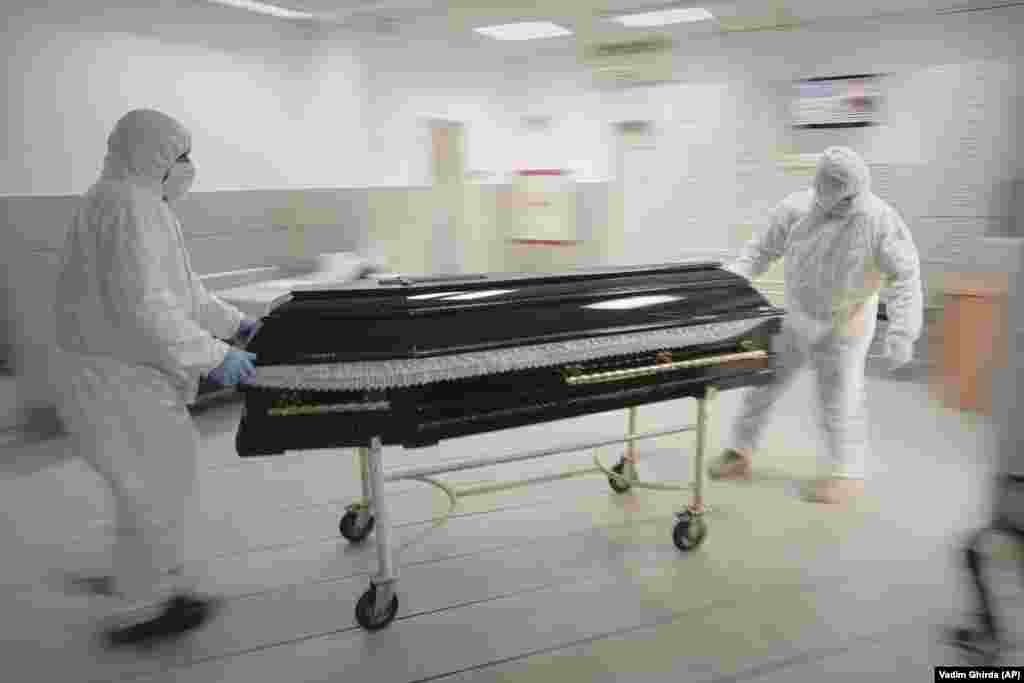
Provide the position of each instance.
(664, 17)
(264, 8)
(527, 30)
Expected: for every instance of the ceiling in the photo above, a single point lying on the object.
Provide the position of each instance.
(455, 19)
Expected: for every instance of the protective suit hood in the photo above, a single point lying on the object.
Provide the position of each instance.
(143, 148)
(841, 174)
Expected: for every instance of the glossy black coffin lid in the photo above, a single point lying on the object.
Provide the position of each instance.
(413, 318)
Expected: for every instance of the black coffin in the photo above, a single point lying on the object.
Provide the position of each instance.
(417, 361)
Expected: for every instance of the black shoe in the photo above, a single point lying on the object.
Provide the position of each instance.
(980, 643)
(180, 615)
(91, 585)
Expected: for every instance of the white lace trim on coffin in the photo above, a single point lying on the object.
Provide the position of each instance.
(372, 375)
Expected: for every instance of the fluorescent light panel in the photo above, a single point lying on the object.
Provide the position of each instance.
(527, 30)
(664, 17)
(264, 8)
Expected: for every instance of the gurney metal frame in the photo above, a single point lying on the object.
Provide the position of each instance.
(378, 606)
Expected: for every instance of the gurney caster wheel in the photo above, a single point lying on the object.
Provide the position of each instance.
(351, 529)
(618, 485)
(365, 614)
(689, 532)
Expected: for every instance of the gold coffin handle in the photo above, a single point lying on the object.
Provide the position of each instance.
(316, 409)
(647, 370)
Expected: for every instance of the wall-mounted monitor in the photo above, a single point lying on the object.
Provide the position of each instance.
(838, 101)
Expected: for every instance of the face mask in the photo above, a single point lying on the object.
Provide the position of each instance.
(842, 207)
(835, 207)
(831, 196)
(179, 180)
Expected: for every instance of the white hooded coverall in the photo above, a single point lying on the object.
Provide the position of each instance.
(837, 260)
(135, 330)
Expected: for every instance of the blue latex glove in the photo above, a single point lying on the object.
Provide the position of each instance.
(237, 368)
(246, 329)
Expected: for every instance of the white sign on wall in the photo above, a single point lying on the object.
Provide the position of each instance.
(544, 199)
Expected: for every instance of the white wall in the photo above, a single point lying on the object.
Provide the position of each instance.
(953, 105)
(409, 84)
(329, 138)
(267, 106)
(273, 107)
(946, 155)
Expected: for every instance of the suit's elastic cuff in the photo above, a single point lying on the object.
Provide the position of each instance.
(230, 319)
(220, 351)
(899, 335)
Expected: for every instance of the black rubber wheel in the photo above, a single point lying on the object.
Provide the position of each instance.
(350, 529)
(364, 611)
(617, 484)
(689, 532)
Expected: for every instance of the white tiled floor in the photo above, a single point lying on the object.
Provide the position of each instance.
(565, 581)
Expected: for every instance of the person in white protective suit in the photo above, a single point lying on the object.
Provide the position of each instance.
(135, 331)
(841, 246)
